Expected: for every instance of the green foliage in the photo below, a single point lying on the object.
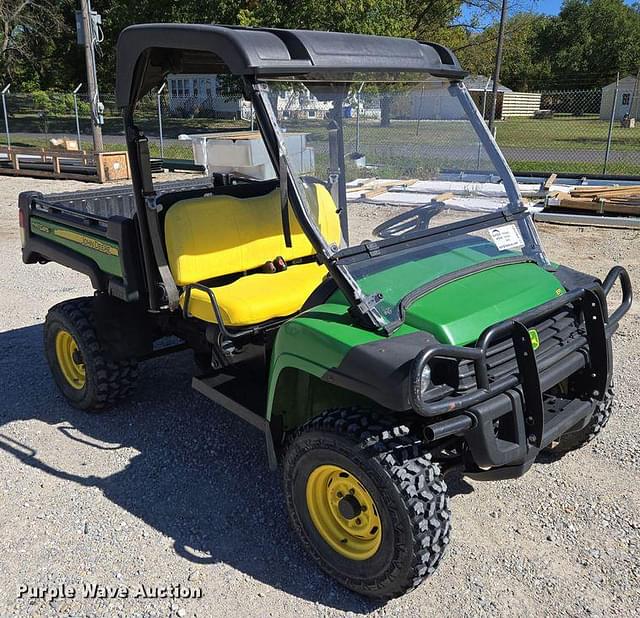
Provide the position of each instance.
(525, 61)
(590, 40)
(584, 46)
(56, 103)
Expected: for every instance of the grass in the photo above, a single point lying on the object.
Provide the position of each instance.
(171, 151)
(172, 127)
(585, 136)
(574, 167)
(566, 133)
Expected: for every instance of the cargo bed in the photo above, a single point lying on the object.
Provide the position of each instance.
(95, 232)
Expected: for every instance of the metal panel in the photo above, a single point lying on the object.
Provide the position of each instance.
(595, 220)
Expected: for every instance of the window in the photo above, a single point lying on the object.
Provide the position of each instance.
(180, 87)
(174, 89)
(311, 113)
(626, 98)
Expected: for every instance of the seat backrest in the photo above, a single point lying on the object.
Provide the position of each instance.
(208, 237)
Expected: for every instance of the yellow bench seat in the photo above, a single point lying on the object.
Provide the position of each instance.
(259, 297)
(215, 236)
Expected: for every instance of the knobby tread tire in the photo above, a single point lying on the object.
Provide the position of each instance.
(410, 472)
(601, 415)
(108, 380)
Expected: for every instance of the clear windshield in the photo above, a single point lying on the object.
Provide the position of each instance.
(401, 157)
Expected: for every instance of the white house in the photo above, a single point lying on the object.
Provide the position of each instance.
(626, 101)
(205, 95)
(301, 105)
(201, 95)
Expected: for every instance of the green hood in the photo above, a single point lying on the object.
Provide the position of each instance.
(459, 311)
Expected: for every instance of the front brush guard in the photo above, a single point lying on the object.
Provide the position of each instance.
(534, 375)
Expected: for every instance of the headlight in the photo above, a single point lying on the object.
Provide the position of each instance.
(425, 381)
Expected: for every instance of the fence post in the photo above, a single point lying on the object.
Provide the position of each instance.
(75, 107)
(358, 117)
(611, 120)
(484, 118)
(4, 109)
(484, 99)
(160, 91)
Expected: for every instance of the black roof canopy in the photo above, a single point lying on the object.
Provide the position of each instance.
(148, 52)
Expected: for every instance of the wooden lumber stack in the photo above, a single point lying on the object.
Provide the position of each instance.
(374, 187)
(600, 200)
(69, 164)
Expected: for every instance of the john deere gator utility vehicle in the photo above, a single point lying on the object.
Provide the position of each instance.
(377, 343)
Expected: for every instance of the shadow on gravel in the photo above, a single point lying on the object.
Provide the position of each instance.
(458, 485)
(200, 476)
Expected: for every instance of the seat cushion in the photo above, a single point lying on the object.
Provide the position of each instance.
(209, 237)
(259, 297)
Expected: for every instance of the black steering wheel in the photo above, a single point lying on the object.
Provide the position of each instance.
(416, 220)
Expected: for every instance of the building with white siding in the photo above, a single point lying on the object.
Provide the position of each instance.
(625, 103)
(437, 105)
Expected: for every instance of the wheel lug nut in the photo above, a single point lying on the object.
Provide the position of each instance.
(358, 521)
(352, 491)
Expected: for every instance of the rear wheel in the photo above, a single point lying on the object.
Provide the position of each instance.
(83, 371)
(368, 505)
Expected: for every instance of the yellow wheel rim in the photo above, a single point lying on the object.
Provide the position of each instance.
(70, 359)
(343, 512)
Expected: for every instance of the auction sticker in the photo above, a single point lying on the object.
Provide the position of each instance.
(506, 237)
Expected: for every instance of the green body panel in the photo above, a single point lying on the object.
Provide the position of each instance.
(424, 265)
(455, 313)
(105, 253)
(458, 312)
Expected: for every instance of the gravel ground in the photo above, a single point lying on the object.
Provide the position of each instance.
(168, 491)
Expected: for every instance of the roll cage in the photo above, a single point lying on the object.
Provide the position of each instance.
(147, 53)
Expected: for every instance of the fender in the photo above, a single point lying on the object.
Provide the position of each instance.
(323, 350)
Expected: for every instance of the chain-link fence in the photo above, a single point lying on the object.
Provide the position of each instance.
(48, 119)
(576, 131)
(564, 131)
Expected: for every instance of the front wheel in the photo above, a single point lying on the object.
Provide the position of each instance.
(368, 506)
(573, 440)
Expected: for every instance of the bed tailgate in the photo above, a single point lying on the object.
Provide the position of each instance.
(104, 248)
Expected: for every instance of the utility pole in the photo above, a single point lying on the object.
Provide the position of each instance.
(4, 110)
(496, 72)
(92, 80)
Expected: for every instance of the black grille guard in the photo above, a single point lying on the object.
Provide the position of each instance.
(598, 327)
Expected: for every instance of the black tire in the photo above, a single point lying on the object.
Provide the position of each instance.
(573, 440)
(106, 381)
(407, 488)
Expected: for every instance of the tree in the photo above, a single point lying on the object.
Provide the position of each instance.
(24, 28)
(591, 40)
(57, 60)
(525, 64)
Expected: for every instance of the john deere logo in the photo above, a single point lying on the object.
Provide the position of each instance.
(535, 338)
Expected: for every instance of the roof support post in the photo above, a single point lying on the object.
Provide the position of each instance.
(138, 181)
(363, 307)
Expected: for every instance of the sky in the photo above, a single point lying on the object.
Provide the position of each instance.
(548, 7)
